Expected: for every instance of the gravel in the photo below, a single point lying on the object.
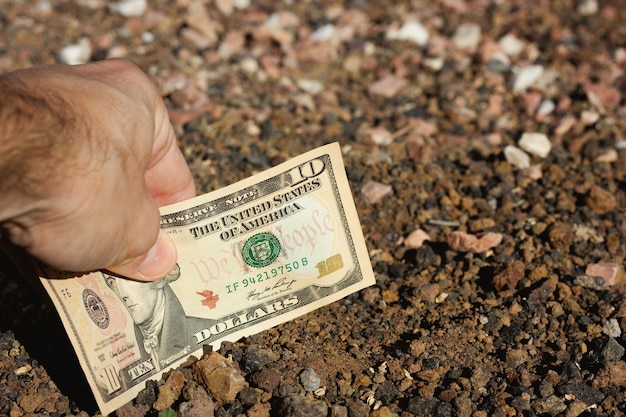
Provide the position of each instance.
(484, 144)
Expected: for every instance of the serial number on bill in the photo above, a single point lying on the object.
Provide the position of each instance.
(267, 275)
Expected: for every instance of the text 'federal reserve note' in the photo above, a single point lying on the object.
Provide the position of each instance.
(250, 256)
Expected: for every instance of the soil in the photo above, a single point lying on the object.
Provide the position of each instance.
(499, 266)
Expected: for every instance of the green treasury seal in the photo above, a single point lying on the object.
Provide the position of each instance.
(261, 250)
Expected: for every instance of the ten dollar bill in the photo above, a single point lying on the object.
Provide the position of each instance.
(250, 256)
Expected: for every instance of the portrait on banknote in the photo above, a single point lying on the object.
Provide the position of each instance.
(163, 332)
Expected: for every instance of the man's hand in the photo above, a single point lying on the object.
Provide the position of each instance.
(87, 155)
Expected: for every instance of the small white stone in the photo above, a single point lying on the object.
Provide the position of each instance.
(324, 33)
(147, 37)
(129, 8)
(467, 36)
(546, 107)
(587, 7)
(511, 45)
(249, 65)
(536, 144)
(411, 30)
(526, 77)
(588, 117)
(310, 86)
(378, 135)
(435, 63)
(78, 53)
(241, 4)
(516, 157)
(611, 328)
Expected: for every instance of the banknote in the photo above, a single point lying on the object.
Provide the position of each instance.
(250, 256)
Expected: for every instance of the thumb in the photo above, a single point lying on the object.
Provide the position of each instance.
(154, 265)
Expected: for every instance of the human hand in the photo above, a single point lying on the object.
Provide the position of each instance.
(87, 155)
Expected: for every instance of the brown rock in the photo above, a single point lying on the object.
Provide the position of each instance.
(267, 379)
(561, 236)
(259, 410)
(170, 391)
(600, 200)
(481, 224)
(219, 377)
(133, 410)
(198, 404)
(508, 274)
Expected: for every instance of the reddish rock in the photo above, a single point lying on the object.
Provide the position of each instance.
(465, 242)
(603, 96)
(508, 275)
(373, 191)
(610, 272)
(388, 86)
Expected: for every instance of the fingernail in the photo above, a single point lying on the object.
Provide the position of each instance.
(159, 260)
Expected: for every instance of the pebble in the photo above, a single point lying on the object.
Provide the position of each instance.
(611, 272)
(467, 36)
(613, 351)
(309, 380)
(465, 242)
(587, 7)
(526, 77)
(78, 53)
(249, 65)
(552, 405)
(324, 33)
(603, 96)
(508, 275)
(601, 201)
(170, 391)
(310, 86)
(267, 379)
(388, 86)
(300, 406)
(611, 328)
(374, 191)
(129, 8)
(499, 62)
(219, 376)
(198, 404)
(416, 239)
(588, 117)
(535, 144)
(511, 45)
(545, 108)
(383, 412)
(516, 157)
(411, 30)
(378, 135)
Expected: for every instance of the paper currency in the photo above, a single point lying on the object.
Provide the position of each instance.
(251, 255)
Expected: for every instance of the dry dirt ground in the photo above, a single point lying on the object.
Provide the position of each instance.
(485, 143)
